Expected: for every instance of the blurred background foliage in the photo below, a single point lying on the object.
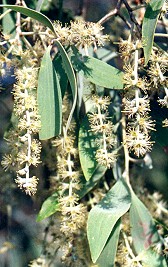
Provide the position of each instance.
(20, 235)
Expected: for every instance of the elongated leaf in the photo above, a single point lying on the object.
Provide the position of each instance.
(97, 71)
(32, 14)
(71, 77)
(68, 68)
(143, 229)
(152, 258)
(49, 207)
(103, 217)
(63, 79)
(107, 257)
(49, 99)
(149, 24)
(87, 186)
(144, 233)
(39, 5)
(87, 149)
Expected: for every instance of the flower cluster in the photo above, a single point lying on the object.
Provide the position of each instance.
(69, 174)
(136, 106)
(101, 124)
(157, 69)
(25, 149)
(73, 213)
(158, 79)
(80, 33)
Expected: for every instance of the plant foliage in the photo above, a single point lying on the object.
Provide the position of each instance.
(89, 123)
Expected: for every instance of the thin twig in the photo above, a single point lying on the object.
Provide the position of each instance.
(138, 7)
(111, 13)
(18, 26)
(27, 33)
(132, 17)
(5, 13)
(161, 35)
(29, 46)
(134, 258)
(122, 17)
(126, 152)
(108, 16)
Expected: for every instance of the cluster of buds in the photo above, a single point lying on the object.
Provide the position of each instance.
(25, 149)
(80, 33)
(101, 124)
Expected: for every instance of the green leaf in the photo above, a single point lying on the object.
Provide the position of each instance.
(107, 257)
(144, 233)
(49, 99)
(49, 207)
(103, 217)
(97, 71)
(32, 14)
(68, 68)
(63, 79)
(71, 77)
(87, 149)
(151, 258)
(44, 7)
(39, 5)
(143, 229)
(8, 23)
(87, 186)
(149, 24)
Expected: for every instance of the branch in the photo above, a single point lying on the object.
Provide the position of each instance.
(111, 13)
(132, 17)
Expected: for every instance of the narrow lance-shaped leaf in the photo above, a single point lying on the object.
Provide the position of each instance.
(144, 234)
(62, 76)
(32, 14)
(149, 24)
(97, 71)
(87, 186)
(49, 99)
(107, 257)
(71, 77)
(103, 217)
(49, 207)
(68, 67)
